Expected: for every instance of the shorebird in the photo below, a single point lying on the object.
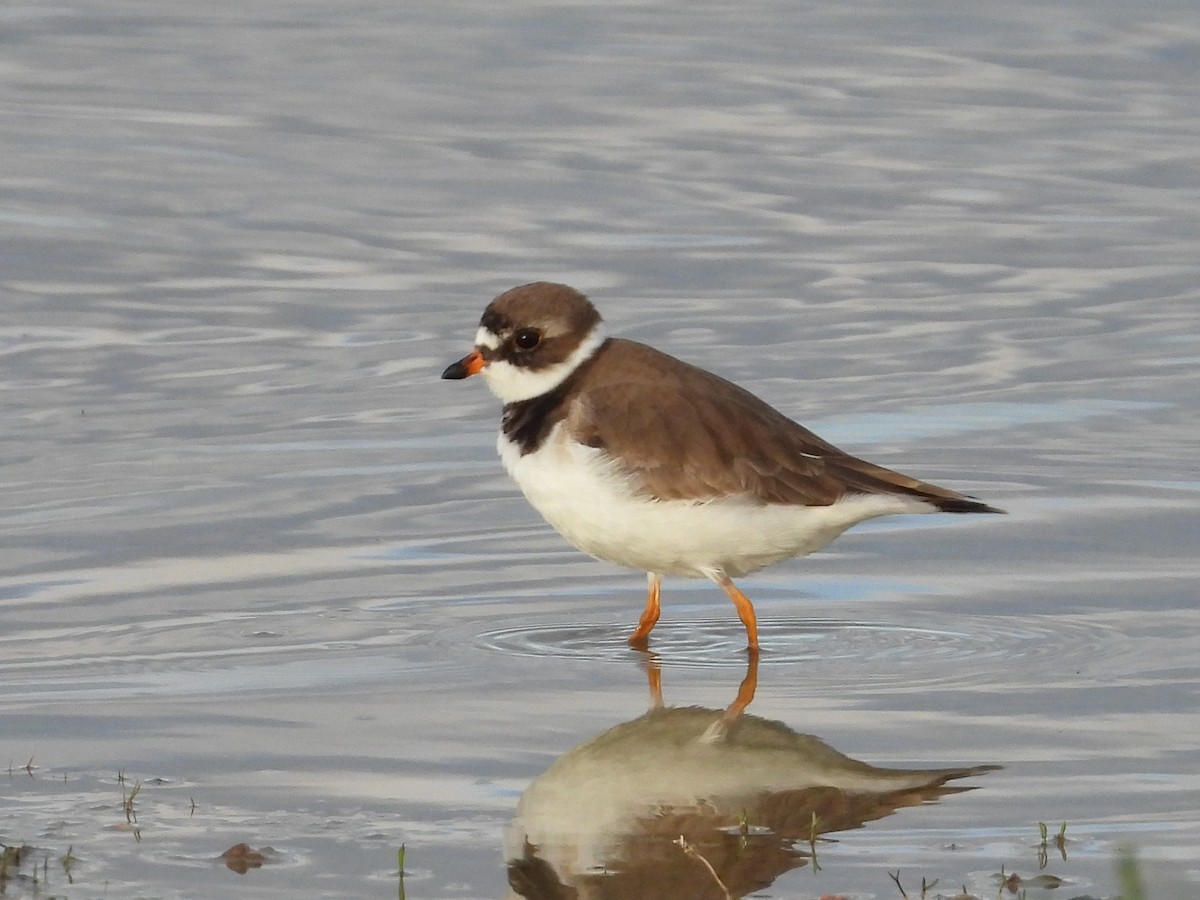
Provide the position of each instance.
(646, 461)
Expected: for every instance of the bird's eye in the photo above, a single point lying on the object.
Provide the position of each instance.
(527, 338)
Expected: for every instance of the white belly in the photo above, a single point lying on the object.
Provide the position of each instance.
(588, 502)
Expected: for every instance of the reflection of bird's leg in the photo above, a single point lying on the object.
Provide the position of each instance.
(745, 609)
(654, 678)
(745, 696)
(640, 639)
(654, 673)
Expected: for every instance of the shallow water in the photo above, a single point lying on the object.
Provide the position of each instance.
(256, 559)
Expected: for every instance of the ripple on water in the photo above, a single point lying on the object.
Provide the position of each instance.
(912, 654)
(215, 656)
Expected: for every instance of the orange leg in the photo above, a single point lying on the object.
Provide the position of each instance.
(745, 609)
(640, 639)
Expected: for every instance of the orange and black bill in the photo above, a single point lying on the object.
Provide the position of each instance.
(471, 364)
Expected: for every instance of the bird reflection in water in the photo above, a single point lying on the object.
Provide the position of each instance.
(603, 820)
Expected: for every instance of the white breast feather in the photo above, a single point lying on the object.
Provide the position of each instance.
(583, 494)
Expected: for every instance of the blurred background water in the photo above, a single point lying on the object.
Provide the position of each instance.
(257, 558)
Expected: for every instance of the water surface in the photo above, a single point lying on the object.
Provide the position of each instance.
(259, 562)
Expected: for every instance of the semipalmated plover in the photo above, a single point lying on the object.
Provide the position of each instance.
(643, 460)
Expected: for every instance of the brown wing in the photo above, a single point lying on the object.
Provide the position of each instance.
(686, 434)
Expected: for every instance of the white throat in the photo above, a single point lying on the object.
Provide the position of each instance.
(513, 384)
